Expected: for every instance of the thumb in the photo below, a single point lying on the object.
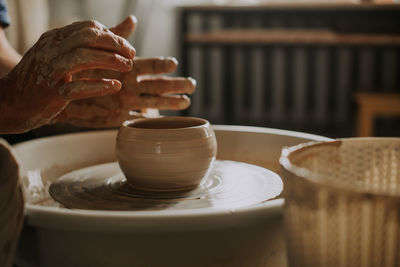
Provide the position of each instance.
(126, 27)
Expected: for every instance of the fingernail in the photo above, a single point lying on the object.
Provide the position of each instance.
(128, 62)
(193, 81)
(186, 103)
(132, 52)
(113, 84)
(134, 19)
(174, 60)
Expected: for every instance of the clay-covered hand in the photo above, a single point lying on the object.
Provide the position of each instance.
(164, 93)
(41, 85)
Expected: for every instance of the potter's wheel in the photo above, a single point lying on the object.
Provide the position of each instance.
(247, 236)
(229, 185)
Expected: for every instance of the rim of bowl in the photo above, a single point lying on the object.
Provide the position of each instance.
(204, 122)
(318, 179)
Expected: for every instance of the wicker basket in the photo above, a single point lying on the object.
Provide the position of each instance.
(342, 202)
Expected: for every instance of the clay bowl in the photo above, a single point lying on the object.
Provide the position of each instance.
(166, 154)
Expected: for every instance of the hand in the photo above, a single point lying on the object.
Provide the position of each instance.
(41, 85)
(136, 93)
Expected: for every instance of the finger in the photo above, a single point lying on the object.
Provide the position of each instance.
(171, 102)
(89, 88)
(67, 30)
(84, 58)
(97, 73)
(100, 39)
(162, 86)
(126, 27)
(155, 65)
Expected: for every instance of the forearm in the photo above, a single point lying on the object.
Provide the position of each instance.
(8, 56)
(11, 113)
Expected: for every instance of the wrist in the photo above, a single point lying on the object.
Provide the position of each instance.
(13, 117)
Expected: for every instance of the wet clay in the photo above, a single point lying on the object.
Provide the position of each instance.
(168, 153)
(230, 185)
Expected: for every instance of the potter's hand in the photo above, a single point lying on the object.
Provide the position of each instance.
(41, 85)
(162, 93)
(112, 110)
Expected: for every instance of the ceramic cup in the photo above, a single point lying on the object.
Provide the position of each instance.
(166, 154)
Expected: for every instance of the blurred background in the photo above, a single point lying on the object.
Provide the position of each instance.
(324, 67)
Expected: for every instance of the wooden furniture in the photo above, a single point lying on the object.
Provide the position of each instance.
(289, 66)
(296, 37)
(372, 105)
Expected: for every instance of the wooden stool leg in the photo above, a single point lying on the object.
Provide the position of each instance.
(365, 122)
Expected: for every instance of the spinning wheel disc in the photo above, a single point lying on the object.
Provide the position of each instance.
(229, 185)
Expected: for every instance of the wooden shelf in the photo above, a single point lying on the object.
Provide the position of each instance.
(261, 36)
(287, 5)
